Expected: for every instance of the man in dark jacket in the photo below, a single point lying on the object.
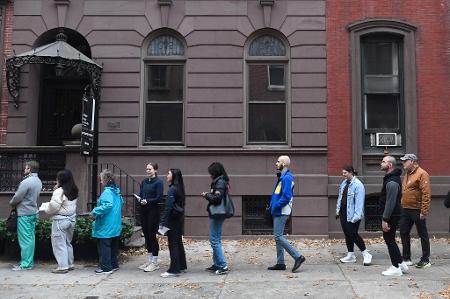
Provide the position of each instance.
(390, 197)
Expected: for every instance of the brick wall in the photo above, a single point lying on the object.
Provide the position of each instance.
(7, 50)
(432, 19)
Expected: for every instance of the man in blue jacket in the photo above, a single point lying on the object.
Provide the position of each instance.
(281, 208)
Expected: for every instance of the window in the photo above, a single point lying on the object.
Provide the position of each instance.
(382, 85)
(266, 91)
(164, 91)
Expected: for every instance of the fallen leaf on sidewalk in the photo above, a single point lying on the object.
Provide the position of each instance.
(186, 284)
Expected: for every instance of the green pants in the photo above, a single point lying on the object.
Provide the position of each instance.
(26, 227)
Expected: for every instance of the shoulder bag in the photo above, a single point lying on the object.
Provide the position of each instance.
(225, 209)
(11, 222)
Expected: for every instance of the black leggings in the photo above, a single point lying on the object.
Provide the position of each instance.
(351, 233)
(150, 225)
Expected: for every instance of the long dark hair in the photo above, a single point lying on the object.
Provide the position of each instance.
(65, 180)
(177, 183)
(216, 169)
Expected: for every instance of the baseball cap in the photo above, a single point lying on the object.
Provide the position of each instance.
(411, 157)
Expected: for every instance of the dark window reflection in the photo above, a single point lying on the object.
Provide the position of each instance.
(164, 122)
(267, 122)
(383, 111)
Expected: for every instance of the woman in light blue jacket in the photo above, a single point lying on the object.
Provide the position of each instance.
(350, 210)
(108, 224)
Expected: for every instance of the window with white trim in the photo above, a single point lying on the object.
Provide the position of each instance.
(266, 97)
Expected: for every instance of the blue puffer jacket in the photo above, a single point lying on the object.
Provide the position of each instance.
(108, 214)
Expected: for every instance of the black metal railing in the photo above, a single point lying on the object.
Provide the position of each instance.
(127, 184)
(12, 165)
(372, 218)
(253, 210)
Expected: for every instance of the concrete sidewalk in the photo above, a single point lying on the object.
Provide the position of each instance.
(321, 276)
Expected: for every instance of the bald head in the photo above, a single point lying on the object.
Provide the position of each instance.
(283, 162)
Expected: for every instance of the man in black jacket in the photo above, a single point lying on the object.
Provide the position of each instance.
(390, 197)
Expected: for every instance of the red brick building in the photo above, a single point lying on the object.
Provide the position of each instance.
(408, 43)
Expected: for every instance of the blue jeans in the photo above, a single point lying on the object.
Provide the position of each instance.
(215, 239)
(107, 253)
(282, 244)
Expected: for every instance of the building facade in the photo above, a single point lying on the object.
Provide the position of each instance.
(387, 62)
(187, 83)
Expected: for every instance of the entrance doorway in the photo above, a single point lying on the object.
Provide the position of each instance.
(60, 109)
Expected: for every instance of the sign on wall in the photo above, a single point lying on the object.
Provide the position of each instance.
(87, 123)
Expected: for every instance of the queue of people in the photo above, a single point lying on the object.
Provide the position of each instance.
(402, 204)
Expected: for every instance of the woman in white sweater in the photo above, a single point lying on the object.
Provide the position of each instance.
(63, 207)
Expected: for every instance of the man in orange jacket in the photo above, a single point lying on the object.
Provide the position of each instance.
(416, 196)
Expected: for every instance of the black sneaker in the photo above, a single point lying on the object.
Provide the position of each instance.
(222, 271)
(298, 262)
(423, 264)
(100, 271)
(213, 268)
(277, 267)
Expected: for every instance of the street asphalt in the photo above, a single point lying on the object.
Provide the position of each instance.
(321, 276)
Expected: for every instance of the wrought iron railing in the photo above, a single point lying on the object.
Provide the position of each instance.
(372, 217)
(12, 165)
(127, 184)
(253, 210)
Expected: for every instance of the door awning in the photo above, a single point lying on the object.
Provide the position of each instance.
(58, 53)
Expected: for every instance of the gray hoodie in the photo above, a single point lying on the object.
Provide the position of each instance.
(25, 199)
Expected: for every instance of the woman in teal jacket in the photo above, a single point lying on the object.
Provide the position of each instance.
(108, 224)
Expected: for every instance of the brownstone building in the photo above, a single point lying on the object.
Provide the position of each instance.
(186, 83)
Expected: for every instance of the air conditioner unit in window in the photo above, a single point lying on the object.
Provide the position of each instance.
(387, 139)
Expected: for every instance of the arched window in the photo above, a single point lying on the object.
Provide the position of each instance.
(164, 90)
(267, 86)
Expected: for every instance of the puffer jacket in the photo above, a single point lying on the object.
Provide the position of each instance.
(60, 204)
(108, 214)
(416, 191)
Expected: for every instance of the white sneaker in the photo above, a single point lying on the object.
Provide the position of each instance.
(392, 271)
(168, 274)
(408, 263)
(350, 258)
(144, 265)
(367, 259)
(404, 267)
(152, 267)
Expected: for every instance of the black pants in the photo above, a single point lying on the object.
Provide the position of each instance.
(150, 225)
(176, 248)
(108, 249)
(410, 217)
(389, 239)
(351, 233)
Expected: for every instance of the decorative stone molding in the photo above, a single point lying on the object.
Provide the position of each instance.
(267, 9)
(164, 6)
(61, 6)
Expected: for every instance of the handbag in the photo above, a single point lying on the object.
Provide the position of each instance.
(11, 222)
(225, 209)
